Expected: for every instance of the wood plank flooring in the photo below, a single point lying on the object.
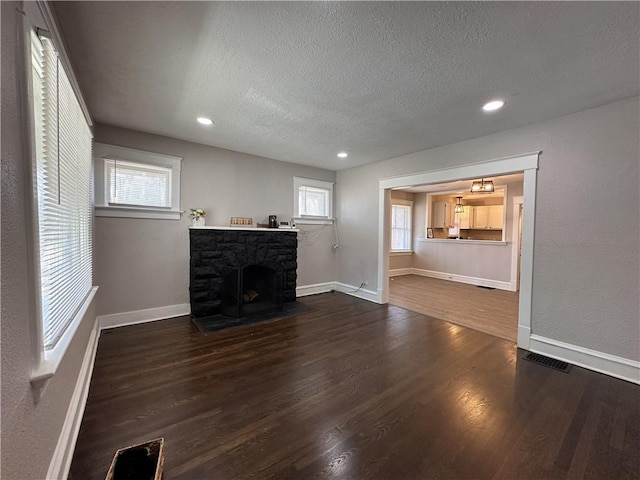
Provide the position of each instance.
(352, 390)
(491, 311)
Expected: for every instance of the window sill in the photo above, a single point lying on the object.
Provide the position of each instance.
(400, 253)
(51, 359)
(137, 212)
(312, 221)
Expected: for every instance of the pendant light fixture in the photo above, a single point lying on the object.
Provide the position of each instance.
(459, 207)
(482, 186)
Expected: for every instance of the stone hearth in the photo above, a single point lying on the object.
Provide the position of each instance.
(216, 252)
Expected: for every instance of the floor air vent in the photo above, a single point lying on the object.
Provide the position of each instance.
(548, 362)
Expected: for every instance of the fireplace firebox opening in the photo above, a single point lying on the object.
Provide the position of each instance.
(251, 290)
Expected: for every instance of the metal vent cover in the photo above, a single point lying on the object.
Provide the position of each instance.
(548, 362)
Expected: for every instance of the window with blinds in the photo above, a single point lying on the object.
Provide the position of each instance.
(313, 200)
(401, 227)
(63, 187)
(137, 184)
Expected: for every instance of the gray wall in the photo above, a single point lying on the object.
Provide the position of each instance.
(586, 250)
(30, 429)
(143, 263)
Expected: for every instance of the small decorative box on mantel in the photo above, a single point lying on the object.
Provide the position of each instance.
(242, 222)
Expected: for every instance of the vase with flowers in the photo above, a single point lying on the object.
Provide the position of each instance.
(197, 217)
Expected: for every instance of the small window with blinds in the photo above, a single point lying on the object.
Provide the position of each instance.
(313, 200)
(63, 189)
(138, 185)
(135, 183)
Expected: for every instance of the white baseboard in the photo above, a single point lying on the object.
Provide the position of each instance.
(483, 282)
(352, 290)
(314, 289)
(396, 272)
(606, 363)
(142, 316)
(355, 292)
(524, 337)
(61, 460)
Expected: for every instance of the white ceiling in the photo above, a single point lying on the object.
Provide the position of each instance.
(300, 81)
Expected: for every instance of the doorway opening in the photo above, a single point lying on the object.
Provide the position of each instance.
(461, 240)
(526, 165)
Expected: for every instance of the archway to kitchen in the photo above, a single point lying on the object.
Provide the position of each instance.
(522, 167)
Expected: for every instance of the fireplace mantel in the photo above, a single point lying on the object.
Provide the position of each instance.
(246, 229)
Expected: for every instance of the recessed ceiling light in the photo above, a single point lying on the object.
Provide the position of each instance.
(343, 154)
(493, 105)
(205, 121)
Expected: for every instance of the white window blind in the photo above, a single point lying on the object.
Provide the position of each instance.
(401, 227)
(137, 184)
(313, 201)
(63, 181)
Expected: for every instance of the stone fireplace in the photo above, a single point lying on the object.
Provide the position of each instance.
(241, 272)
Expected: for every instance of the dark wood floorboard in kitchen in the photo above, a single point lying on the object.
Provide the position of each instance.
(352, 390)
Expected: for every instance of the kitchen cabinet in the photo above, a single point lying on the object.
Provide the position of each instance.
(496, 216)
(465, 218)
(443, 215)
(489, 217)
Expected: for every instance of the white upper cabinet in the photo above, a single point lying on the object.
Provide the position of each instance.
(443, 215)
(490, 217)
(465, 218)
(496, 216)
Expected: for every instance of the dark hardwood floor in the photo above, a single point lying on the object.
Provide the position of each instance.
(352, 390)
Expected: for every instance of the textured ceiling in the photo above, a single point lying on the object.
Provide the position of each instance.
(300, 81)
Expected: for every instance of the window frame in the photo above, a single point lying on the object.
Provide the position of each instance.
(403, 203)
(48, 358)
(299, 182)
(104, 152)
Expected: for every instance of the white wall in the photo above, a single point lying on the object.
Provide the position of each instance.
(30, 427)
(586, 250)
(143, 263)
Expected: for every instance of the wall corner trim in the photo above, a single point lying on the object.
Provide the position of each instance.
(63, 454)
(142, 316)
(484, 282)
(314, 289)
(354, 291)
(397, 272)
(606, 363)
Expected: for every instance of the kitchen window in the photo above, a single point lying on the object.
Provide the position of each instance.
(401, 229)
